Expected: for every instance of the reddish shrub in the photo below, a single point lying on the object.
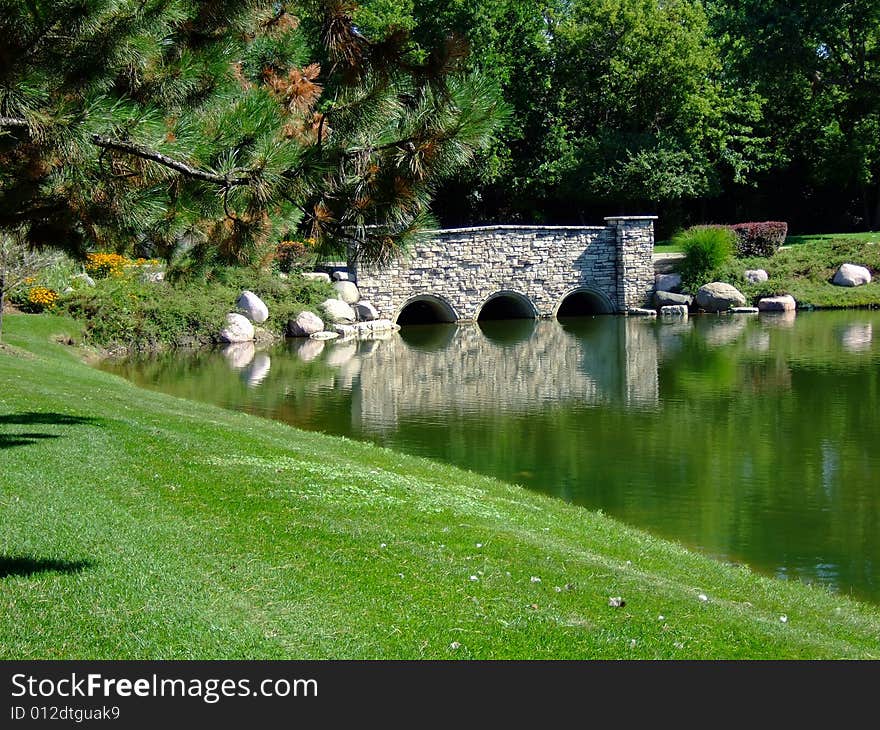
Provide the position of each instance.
(290, 255)
(759, 239)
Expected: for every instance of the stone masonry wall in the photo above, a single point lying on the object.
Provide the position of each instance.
(466, 267)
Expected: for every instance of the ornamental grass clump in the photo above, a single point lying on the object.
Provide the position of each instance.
(706, 248)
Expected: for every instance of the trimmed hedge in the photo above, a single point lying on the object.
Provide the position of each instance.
(759, 239)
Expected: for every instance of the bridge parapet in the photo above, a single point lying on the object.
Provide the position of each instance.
(462, 269)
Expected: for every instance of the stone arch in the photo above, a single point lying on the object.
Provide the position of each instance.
(506, 304)
(583, 301)
(425, 309)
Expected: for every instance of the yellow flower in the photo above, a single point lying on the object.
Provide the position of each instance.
(106, 264)
(42, 298)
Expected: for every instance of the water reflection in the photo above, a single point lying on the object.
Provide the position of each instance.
(753, 438)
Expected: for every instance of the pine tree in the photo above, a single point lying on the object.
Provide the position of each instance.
(228, 124)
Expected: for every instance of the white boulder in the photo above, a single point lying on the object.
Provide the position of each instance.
(851, 275)
(317, 276)
(674, 311)
(337, 311)
(347, 291)
(238, 329)
(756, 276)
(252, 307)
(305, 324)
(719, 297)
(341, 276)
(344, 330)
(785, 303)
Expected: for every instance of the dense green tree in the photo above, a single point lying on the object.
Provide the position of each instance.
(617, 104)
(226, 124)
(817, 63)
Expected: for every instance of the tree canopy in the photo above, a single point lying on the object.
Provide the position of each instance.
(226, 125)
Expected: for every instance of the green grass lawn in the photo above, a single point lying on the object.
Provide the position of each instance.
(805, 271)
(137, 525)
(667, 246)
(869, 237)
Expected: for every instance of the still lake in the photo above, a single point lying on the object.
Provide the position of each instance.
(754, 439)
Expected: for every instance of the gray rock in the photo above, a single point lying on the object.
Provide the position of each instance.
(305, 324)
(667, 282)
(785, 303)
(337, 311)
(382, 325)
(719, 297)
(317, 276)
(85, 279)
(667, 298)
(851, 275)
(365, 311)
(347, 291)
(344, 330)
(674, 310)
(640, 312)
(252, 307)
(324, 336)
(756, 276)
(744, 310)
(153, 277)
(238, 329)
(341, 276)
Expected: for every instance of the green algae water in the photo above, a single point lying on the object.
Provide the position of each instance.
(754, 439)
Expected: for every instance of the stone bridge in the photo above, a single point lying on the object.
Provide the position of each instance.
(496, 272)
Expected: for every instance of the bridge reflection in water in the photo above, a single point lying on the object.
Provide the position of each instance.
(509, 366)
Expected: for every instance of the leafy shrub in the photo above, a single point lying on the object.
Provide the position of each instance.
(128, 313)
(294, 255)
(759, 239)
(706, 248)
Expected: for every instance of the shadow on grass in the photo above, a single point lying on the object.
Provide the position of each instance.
(23, 566)
(9, 440)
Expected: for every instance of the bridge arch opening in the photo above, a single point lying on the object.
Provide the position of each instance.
(425, 309)
(583, 303)
(507, 305)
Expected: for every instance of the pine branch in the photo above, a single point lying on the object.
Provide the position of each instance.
(130, 148)
(13, 122)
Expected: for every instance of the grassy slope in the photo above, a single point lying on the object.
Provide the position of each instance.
(192, 532)
(805, 271)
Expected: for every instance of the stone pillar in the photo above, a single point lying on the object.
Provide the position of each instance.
(635, 259)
